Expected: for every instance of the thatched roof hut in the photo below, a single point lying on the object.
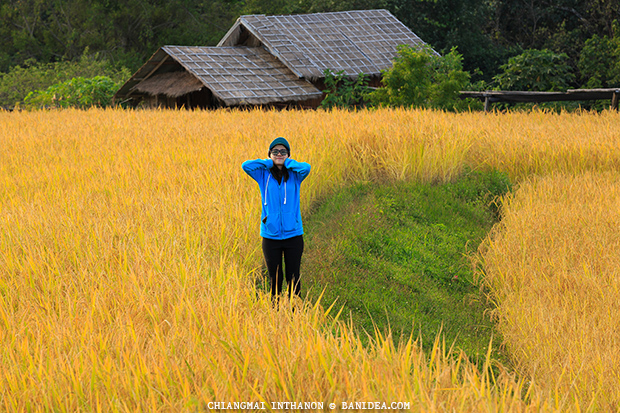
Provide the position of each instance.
(270, 60)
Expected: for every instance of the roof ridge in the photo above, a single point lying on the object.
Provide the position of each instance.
(315, 13)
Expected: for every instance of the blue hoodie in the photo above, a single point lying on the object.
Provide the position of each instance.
(281, 214)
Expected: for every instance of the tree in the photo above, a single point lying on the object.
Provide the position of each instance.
(124, 32)
(562, 26)
(467, 25)
(599, 63)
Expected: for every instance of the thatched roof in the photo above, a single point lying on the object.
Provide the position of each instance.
(354, 41)
(235, 75)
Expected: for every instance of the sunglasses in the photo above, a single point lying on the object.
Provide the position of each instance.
(277, 152)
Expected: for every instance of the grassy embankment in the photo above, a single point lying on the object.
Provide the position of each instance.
(397, 256)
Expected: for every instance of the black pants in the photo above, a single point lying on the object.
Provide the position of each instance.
(292, 249)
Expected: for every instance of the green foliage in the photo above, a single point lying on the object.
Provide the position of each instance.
(78, 92)
(20, 81)
(562, 26)
(599, 63)
(125, 32)
(273, 7)
(344, 92)
(396, 256)
(420, 78)
(465, 24)
(128, 32)
(536, 70)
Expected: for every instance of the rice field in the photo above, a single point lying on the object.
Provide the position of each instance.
(129, 244)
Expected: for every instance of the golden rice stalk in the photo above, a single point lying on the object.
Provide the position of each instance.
(553, 268)
(129, 243)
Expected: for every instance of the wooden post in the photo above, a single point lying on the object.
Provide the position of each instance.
(614, 99)
(487, 103)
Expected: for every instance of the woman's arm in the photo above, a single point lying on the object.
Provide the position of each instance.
(302, 168)
(255, 167)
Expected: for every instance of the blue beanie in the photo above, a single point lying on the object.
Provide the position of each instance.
(280, 141)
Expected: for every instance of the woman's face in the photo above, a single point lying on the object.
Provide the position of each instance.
(277, 156)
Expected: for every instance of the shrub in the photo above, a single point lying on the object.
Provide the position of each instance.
(78, 92)
(16, 84)
(421, 78)
(536, 70)
(344, 92)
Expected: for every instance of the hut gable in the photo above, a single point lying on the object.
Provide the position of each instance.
(362, 41)
(172, 84)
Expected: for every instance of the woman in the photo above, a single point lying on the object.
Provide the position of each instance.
(279, 178)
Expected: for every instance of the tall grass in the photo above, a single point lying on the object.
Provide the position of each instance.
(129, 240)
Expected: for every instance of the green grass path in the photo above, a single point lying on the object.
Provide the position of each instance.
(397, 255)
